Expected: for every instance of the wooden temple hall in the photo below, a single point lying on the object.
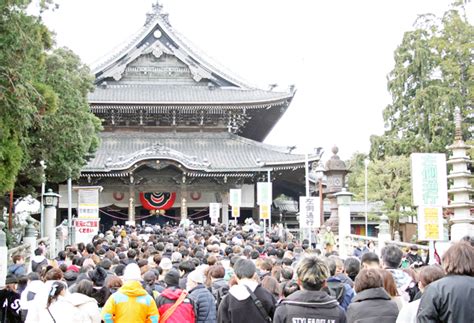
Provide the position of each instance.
(179, 133)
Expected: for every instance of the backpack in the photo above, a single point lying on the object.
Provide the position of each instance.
(337, 290)
(220, 293)
(183, 312)
(37, 267)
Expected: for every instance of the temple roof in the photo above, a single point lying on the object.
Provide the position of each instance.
(180, 94)
(198, 152)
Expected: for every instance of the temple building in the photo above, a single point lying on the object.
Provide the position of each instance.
(180, 132)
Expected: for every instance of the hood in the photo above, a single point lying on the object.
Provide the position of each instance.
(218, 283)
(401, 278)
(132, 288)
(371, 293)
(240, 292)
(38, 259)
(309, 298)
(35, 286)
(171, 293)
(77, 299)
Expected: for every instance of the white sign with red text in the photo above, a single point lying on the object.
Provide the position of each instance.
(85, 229)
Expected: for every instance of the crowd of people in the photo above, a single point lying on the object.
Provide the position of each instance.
(208, 274)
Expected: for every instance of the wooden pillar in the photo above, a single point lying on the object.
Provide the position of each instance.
(131, 201)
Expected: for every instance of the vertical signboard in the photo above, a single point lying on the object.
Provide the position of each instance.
(265, 211)
(214, 209)
(429, 179)
(309, 212)
(430, 193)
(235, 211)
(430, 223)
(85, 229)
(88, 203)
(264, 193)
(235, 200)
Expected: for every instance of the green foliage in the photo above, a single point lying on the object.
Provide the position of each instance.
(433, 74)
(389, 181)
(356, 178)
(43, 95)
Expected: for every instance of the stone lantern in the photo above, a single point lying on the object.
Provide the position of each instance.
(336, 172)
(51, 200)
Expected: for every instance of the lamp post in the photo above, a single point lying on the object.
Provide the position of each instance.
(319, 177)
(366, 164)
(50, 203)
(43, 184)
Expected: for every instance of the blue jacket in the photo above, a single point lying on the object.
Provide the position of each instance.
(348, 292)
(205, 304)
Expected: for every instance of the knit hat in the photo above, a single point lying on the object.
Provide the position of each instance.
(70, 277)
(132, 272)
(11, 279)
(172, 278)
(98, 276)
(196, 276)
(166, 264)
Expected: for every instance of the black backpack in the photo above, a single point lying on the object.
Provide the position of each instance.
(37, 267)
(337, 290)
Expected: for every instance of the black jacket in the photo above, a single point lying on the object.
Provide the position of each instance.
(372, 305)
(204, 304)
(238, 307)
(304, 305)
(10, 307)
(449, 300)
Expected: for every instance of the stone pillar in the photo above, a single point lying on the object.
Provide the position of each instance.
(31, 234)
(384, 233)
(131, 202)
(463, 222)
(50, 228)
(3, 254)
(60, 237)
(344, 215)
(225, 209)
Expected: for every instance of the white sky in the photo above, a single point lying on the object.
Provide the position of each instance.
(337, 53)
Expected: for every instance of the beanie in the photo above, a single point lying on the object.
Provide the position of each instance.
(132, 272)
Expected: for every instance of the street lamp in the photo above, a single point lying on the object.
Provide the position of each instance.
(366, 164)
(319, 177)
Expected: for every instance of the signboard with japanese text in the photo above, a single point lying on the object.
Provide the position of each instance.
(235, 211)
(429, 179)
(430, 223)
(85, 229)
(265, 211)
(264, 193)
(235, 197)
(88, 203)
(309, 212)
(214, 209)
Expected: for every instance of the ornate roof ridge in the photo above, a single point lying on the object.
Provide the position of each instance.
(158, 18)
(281, 149)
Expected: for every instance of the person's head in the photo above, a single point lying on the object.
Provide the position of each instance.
(195, 278)
(172, 278)
(33, 276)
(97, 276)
(85, 287)
(54, 274)
(132, 273)
(216, 272)
(18, 259)
(272, 285)
(286, 273)
(352, 267)
(392, 257)
(368, 278)
(57, 289)
(186, 267)
(289, 288)
(312, 273)
(388, 282)
(429, 274)
(118, 270)
(459, 259)
(414, 249)
(38, 251)
(245, 269)
(113, 283)
(370, 260)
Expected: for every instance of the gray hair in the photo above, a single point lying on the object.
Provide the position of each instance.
(244, 268)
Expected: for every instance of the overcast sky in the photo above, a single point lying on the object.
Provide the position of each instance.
(337, 53)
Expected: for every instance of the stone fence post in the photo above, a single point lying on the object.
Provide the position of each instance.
(384, 233)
